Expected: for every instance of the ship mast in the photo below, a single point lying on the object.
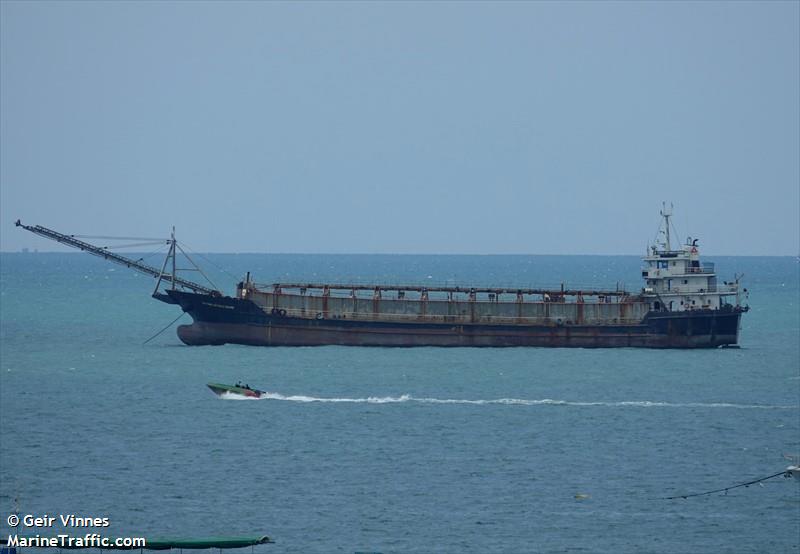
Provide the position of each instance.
(666, 214)
(172, 247)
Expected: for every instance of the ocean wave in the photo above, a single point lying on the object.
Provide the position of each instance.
(406, 398)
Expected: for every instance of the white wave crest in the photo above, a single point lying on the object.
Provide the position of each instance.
(512, 402)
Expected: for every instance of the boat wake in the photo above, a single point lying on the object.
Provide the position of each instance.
(407, 398)
(234, 396)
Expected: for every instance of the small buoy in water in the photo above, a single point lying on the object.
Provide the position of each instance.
(581, 496)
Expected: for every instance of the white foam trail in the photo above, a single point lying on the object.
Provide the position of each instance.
(232, 396)
(368, 400)
(517, 402)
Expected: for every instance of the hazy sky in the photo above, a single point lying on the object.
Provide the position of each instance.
(520, 127)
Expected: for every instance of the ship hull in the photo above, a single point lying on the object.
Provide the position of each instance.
(226, 320)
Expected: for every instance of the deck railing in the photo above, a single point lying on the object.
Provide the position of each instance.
(724, 290)
(705, 268)
(556, 320)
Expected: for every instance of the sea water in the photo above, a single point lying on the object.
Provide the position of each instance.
(395, 450)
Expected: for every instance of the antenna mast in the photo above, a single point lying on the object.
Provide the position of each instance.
(173, 243)
(666, 214)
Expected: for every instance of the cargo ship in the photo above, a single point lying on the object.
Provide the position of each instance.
(681, 305)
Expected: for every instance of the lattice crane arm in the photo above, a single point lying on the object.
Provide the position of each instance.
(117, 258)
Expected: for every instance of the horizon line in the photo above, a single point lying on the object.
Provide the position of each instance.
(71, 251)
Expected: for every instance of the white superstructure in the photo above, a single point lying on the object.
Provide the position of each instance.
(676, 280)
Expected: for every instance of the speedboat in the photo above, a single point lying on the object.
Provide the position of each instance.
(238, 389)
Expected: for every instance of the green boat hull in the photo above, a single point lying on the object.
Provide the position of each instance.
(219, 389)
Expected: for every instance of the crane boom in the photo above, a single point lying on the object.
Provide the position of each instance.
(116, 258)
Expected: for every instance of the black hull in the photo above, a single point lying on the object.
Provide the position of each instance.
(223, 320)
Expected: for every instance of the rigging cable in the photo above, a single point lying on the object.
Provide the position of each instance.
(133, 245)
(153, 253)
(196, 253)
(165, 328)
(785, 473)
(197, 267)
(117, 238)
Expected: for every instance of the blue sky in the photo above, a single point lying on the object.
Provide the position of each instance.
(520, 127)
